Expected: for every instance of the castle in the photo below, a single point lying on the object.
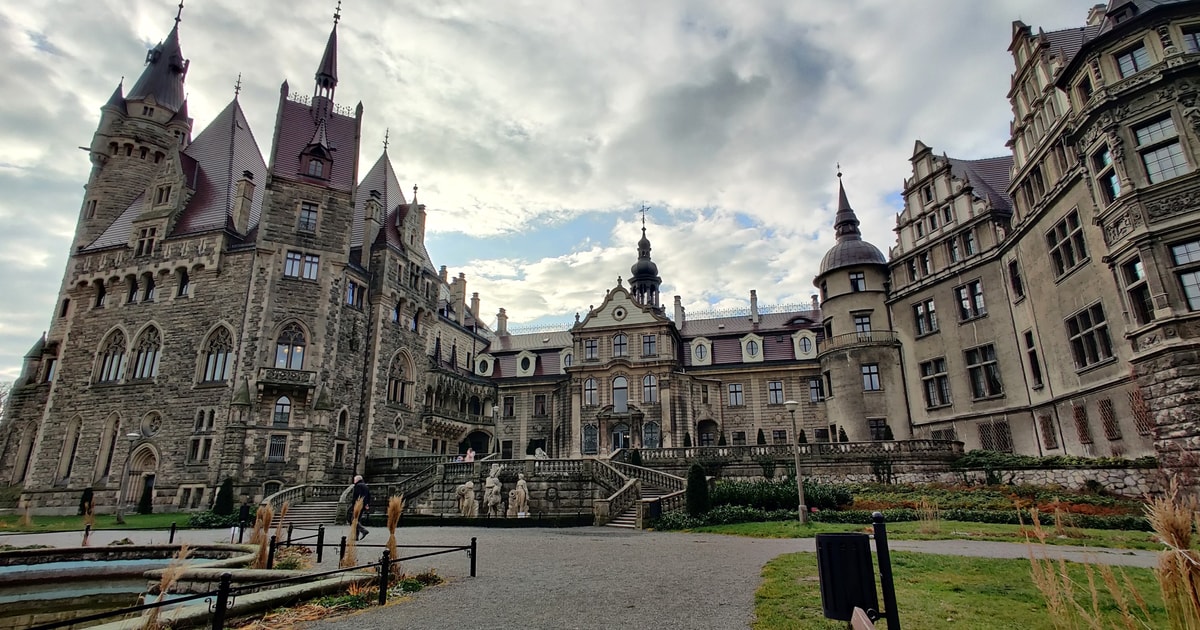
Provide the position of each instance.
(279, 321)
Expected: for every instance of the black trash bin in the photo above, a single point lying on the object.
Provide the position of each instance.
(847, 574)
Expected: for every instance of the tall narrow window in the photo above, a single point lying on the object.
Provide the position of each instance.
(936, 383)
(816, 390)
(1187, 270)
(148, 288)
(1088, 333)
(970, 300)
(858, 281)
(591, 349)
(145, 242)
(1035, 366)
(1106, 176)
(283, 412)
(1108, 419)
(183, 283)
(509, 406)
(953, 251)
(112, 358)
(539, 404)
(101, 295)
(291, 265)
(311, 262)
(277, 451)
(1014, 279)
(162, 195)
(620, 345)
(1083, 425)
(131, 285)
(145, 364)
(862, 325)
(870, 375)
(651, 435)
(1137, 292)
(1049, 435)
(968, 243)
(308, 215)
(649, 345)
(397, 391)
(649, 389)
(589, 393)
(620, 390)
(218, 355)
(925, 316)
(289, 347)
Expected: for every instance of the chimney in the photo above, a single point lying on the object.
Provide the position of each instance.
(816, 302)
(442, 274)
(458, 297)
(753, 306)
(243, 200)
(475, 305)
(502, 323)
(678, 312)
(372, 223)
(1096, 14)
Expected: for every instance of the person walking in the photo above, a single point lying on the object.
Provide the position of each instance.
(361, 493)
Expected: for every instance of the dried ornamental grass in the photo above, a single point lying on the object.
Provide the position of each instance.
(258, 537)
(394, 511)
(283, 510)
(930, 517)
(350, 558)
(1173, 519)
(166, 582)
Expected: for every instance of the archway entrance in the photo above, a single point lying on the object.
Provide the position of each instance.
(707, 432)
(143, 465)
(477, 440)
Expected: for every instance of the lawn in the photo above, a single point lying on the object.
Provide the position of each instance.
(946, 530)
(942, 592)
(12, 522)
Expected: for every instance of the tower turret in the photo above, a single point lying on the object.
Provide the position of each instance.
(644, 280)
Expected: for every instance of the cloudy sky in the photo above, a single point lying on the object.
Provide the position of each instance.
(537, 130)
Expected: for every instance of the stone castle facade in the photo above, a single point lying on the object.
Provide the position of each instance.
(279, 321)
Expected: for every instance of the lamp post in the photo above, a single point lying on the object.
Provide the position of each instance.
(124, 478)
(792, 406)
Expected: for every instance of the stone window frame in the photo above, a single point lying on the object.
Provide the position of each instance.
(277, 444)
(147, 351)
(1048, 431)
(649, 389)
(775, 393)
(217, 355)
(935, 383)
(1108, 182)
(111, 358)
(292, 336)
(308, 215)
(650, 345)
(1083, 424)
(925, 317)
(1158, 144)
(1066, 244)
(292, 262)
(970, 299)
(591, 349)
(995, 435)
(1185, 256)
(736, 395)
(620, 345)
(1136, 287)
(591, 394)
(983, 372)
(816, 390)
(1035, 366)
(1089, 338)
(620, 402)
(871, 377)
(190, 496)
(1132, 59)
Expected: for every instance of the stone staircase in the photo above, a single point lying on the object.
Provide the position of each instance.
(309, 514)
(628, 518)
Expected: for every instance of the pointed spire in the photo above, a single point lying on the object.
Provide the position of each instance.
(327, 70)
(414, 199)
(164, 73)
(117, 99)
(845, 224)
(320, 137)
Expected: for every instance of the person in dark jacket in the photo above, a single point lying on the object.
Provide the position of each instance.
(361, 491)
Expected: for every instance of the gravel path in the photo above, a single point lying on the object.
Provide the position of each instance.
(556, 578)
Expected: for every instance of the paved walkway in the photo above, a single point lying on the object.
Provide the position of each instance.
(587, 578)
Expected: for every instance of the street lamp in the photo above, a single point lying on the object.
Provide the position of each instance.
(792, 406)
(124, 478)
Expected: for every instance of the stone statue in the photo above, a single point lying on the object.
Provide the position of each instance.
(466, 500)
(540, 454)
(492, 497)
(518, 501)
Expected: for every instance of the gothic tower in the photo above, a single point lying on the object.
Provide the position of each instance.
(644, 279)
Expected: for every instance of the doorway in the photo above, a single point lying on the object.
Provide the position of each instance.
(620, 436)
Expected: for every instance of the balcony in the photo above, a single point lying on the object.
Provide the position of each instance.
(287, 380)
(856, 340)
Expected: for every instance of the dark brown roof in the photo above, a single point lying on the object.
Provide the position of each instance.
(1067, 42)
(989, 177)
(555, 341)
(163, 76)
(768, 323)
(382, 178)
(298, 125)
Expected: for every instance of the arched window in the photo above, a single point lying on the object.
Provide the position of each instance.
(620, 388)
(145, 363)
(101, 294)
(343, 423)
(112, 358)
(651, 435)
(218, 354)
(568, 359)
(396, 312)
(131, 284)
(70, 445)
(108, 446)
(621, 345)
(649, 389)
(271, 487)
(289, 347)
(397, 390)
(591, 439)
(283, 412)
(589, 393)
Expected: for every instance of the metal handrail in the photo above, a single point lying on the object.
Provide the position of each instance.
(849, 340)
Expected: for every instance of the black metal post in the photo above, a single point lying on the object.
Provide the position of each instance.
(885, 573)
(87, 532)
(320, 542)
(471, 553)
(289, 538)
(271, 553)
(241, 531)
(218, 613)
(342, 550)
(171, 540)
(385, 564)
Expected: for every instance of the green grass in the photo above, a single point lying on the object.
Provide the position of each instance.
(948, 530)
(12, 522)
(934, 592)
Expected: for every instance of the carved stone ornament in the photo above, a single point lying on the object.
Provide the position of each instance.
(1163, 208)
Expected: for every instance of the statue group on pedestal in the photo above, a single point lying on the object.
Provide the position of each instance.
(493, 497)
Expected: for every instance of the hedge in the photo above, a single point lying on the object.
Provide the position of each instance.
(730, 514)
(992, 460)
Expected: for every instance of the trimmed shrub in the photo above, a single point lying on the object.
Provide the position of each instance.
(721, 440)
(224, 502)
(762, 438)
(697, 491)
(803, 438)
(991, 460)
(780, 495)
(635, 457)
(211, 520)
(687, 440)
(842, 435)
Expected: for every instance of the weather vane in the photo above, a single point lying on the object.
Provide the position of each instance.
(643, 214)
(179, 14)
(337, 13)
(839, 169)
(237, 87)
(386, 133)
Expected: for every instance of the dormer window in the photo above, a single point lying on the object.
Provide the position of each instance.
(145, 243)
(316, 168)
(163, 195)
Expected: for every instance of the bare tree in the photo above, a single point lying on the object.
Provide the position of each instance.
(5, 388)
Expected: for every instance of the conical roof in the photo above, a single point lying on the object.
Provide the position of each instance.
(850, 249)
(163, 76)
(327, 71)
